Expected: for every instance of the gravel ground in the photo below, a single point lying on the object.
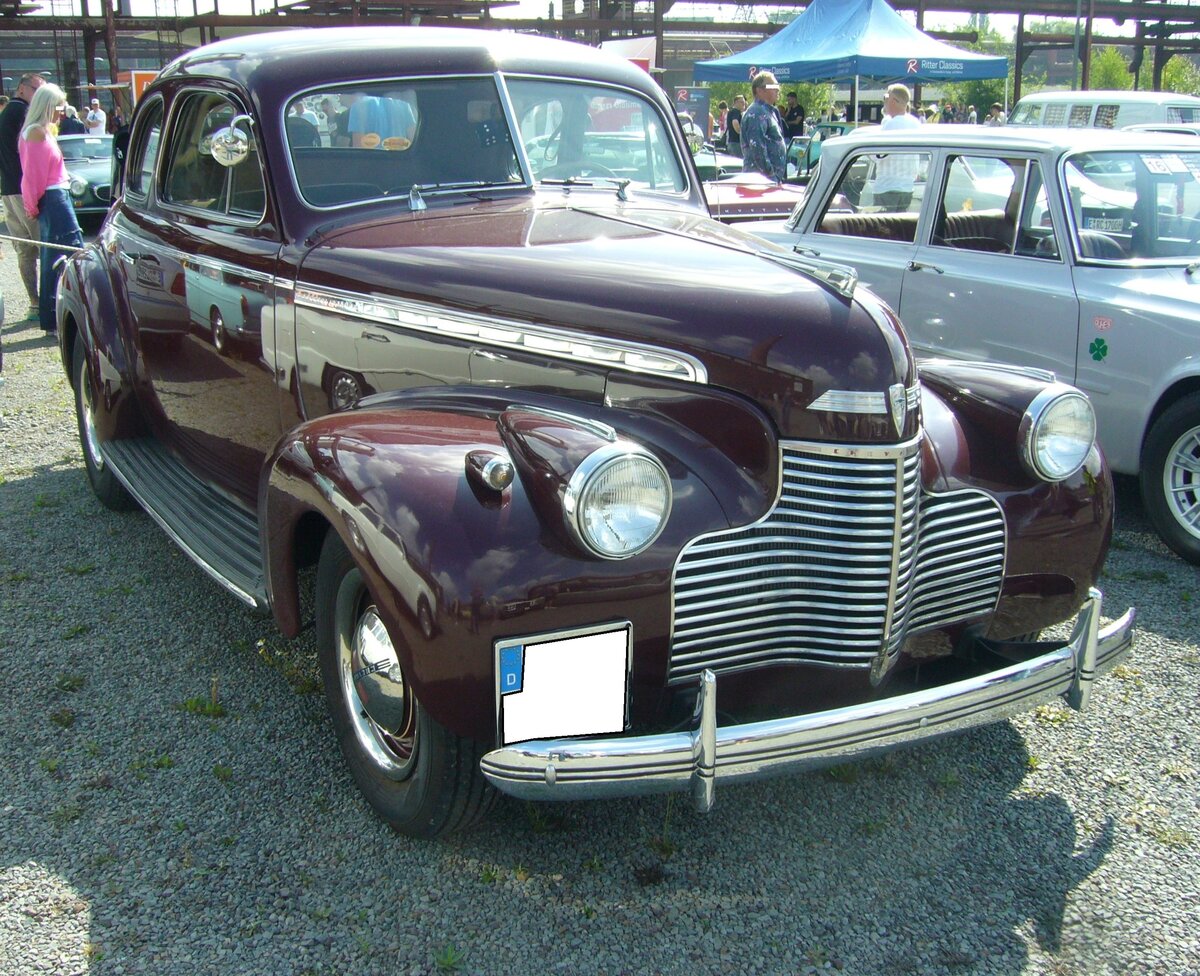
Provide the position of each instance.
(136, 837)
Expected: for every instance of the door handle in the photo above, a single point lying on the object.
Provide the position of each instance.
(375, 337)
(921, 266)
(810, 252)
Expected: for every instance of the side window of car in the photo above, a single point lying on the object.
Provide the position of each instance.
(141, 161)
(878, 195)
(980, 198)
(1037, 228)
(195, 179)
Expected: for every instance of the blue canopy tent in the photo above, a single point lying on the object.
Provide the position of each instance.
(839, 39)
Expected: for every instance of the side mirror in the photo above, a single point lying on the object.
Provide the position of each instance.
(231, 145)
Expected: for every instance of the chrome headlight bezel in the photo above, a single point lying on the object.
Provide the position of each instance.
(79, 186)
(1036, 425)
(578, 497)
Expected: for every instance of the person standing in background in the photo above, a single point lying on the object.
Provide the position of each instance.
(46, 195)
(96, 122)
(70, 125)
(763, 146)
(972, 115)
(996, 116)
(793, 117)
(733, 139)
(20, 225)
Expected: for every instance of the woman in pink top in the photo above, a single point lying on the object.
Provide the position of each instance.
(45, 188)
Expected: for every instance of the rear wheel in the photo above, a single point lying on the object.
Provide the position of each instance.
(420, 778)
(1170, 477)
(108, 489)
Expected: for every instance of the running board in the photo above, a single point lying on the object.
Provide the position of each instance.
(221, 537)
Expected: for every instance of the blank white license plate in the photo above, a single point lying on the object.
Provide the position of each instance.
(568, 685)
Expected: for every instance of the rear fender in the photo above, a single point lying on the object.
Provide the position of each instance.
(393, 482)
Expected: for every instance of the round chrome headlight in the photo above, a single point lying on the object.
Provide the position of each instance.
(78, 186)
(618, 500)
(1057, 432)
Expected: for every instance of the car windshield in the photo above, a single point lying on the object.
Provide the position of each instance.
(1135, 205)
(586, 133)
(367, 141)
(88, 147)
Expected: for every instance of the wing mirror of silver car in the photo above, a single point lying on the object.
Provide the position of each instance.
(231, 145)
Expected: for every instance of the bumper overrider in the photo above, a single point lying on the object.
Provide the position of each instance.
(586, 768)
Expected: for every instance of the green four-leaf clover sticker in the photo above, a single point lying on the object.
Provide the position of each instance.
(1098, 349)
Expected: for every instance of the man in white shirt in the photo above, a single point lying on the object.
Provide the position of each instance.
(95, 120)
(896, 173)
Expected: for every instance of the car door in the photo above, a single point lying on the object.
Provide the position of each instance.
(989, 280)
(198, 245)
(869, 217)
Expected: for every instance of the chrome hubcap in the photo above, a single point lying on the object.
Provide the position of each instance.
(380, 707)
(1181, 481)
(346, 391)
(218, 331)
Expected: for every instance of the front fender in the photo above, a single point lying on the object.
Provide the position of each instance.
(88, 311)
(392, 482)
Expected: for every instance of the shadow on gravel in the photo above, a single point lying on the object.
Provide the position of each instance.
(139, 834)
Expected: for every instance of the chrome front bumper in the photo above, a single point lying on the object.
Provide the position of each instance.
(574, 769)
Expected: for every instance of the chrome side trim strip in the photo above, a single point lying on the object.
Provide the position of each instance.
(506, 334)
(678, 761)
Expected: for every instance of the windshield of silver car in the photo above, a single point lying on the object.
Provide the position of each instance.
(1135, 205)
(364, 142)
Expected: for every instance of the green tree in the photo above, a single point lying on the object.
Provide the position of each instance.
(1109, 70)
(1181, 75)
(815, 97)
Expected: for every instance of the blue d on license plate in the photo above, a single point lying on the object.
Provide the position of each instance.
(563, 685)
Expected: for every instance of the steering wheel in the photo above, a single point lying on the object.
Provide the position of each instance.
(583, 169)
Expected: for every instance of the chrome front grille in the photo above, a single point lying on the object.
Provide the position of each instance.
(852, 559)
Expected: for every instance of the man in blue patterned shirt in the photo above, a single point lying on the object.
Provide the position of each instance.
(763, 147)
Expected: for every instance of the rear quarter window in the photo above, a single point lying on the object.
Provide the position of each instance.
(1106, 116)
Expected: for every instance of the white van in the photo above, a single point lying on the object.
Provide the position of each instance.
(1103, 109)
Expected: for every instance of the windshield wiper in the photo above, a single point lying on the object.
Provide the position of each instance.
(621, 183)
(418, 191)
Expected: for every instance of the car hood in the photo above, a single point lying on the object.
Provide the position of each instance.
(668, 278)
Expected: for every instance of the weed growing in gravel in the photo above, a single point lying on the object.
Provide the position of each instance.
(78, 630)
(1033, 763)
(92, 952)
(1172, 837)
(67, 813)
(1180, 770)
(46, 501)
(948, 779)
(521, 873)
(91, 747)
(17, 576)
(223, 773)
(593, 865)
(589, 911)
(209, 707)
(844, 773)
(543, 820)
(449, 959)
(82, 569)
(69, 682)
(64, 718)
(873, 827)
(322, 913)
(50, 764)
(163, 761)
(1053, 714)
(649, 875)
(661, 844)
(489, 874)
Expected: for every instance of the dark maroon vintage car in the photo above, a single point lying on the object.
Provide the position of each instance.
(604, 497)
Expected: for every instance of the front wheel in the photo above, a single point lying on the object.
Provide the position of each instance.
(421, 779)
(1170, 477)
(107, 487)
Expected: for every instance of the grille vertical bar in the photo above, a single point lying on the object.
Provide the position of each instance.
(840, 570)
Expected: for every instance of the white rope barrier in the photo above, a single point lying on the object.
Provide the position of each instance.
(26, 240)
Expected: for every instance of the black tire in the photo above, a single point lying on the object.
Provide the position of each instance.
(1170, 477)
(422, 780)
(108, 489)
